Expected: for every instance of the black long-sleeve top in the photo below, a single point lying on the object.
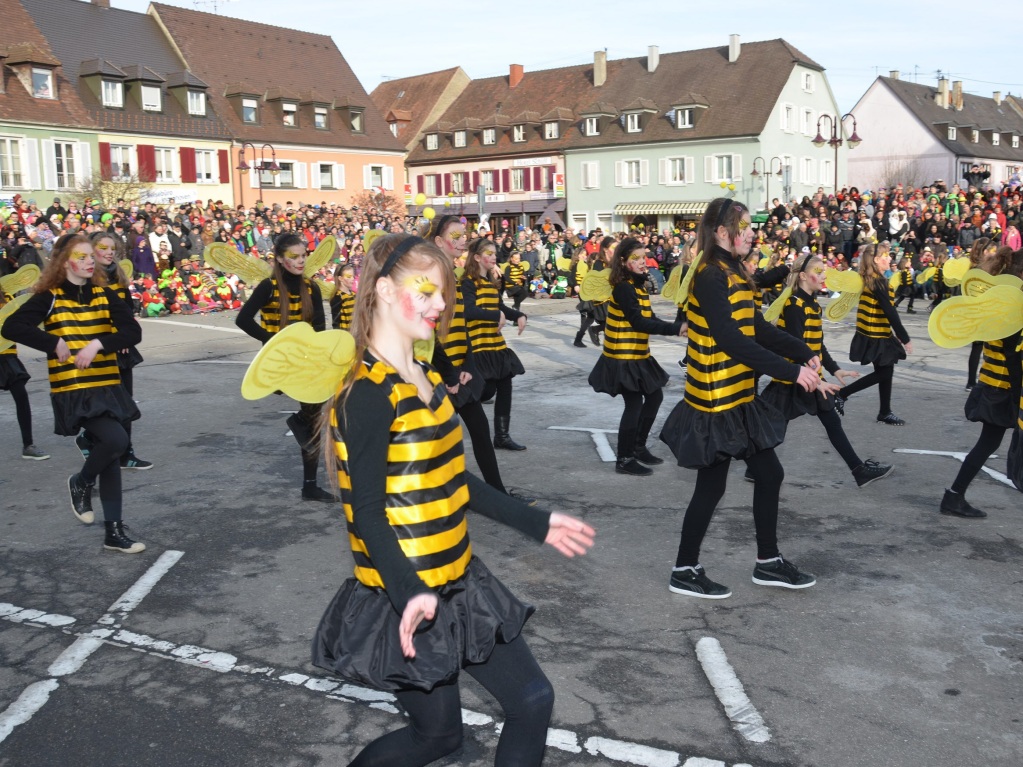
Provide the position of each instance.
(624, 295)
(474, 312)
(365, 420)
(879, 289)
(771, 277)
(795, 325)
(263, 294)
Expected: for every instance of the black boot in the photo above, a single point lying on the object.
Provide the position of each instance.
(641, 453)
(81, 499)
(579, 340)
(955, 504)
(501, 439)
(627, 463)
(313, 492)
(302, 431)
(118, 540)
(594, 335)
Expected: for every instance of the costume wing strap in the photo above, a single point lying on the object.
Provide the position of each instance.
(226, 258)
(960, 320)
(306, 365)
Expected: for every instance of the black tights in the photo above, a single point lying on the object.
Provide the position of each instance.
(882, 376)
(306, 422)
(832, 422)
(990, 439)
(512, 676)
(128, 382)
(976, 350)
(23, 411)
(503, 389)
(637, 418)
(767, 474)
(585, 320)
(476, 423)
(109, 441)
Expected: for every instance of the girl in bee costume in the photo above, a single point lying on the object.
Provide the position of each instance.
(286, 297)
(342, 303)
(625, 366)
(485, 314)
(421, 608)
(13, 375)
(720, 417)
(84, 326)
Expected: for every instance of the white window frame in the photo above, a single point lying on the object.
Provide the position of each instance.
(678, 170)
(432, 142)
(632, 122)
(357, 120)
(632, 173)
(809, 120)
(252, 104)
(12, 173)
(827, 172)
(551, 130)
(996, 139)
(591, 126)
(788, 118)
(489, 136)
(460, 138)
(152, 98)
(112, 93)
(66, 163)
(806, 170)
(289, 114)
(206, 166)
(394, 129)
(715, 164)
(517, 179)
(297, 171)
(458, 183)
(122, 158)
(431, 184)
(196, 101)
(164, 164)
(951, 133)
(487, 180)
(684, 118)
(377, 174)
(518, 133)
(1015, 141)
(589, 173)
(325, 173)
(975, 136)
(321, 119)
(50, 82)
(808, 83)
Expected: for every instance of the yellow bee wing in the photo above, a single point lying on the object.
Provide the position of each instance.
(327, 289)
(926, 275)
(423, 350)
(762, 263)
(370, 236)
(24, 278)
(672, 284)
(841, 306)
(459, 273)
(960, 320)
(127, 267)
(955, 269)
(563, 263)
(977, 281)
(844, 282)
(226, 258)
(306, 365)
(581, 270)
(895, 280)
(9, 308)
(773, 312)
(596, 286)
(683, 289)
(766, 251)
(320, 257)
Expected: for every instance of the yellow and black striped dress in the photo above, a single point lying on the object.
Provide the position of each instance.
(12, 371)
(491, 355)
(270, 314)
(879, 335)
(342, 308)
(996, 396)
(425, 502)
(457, 348)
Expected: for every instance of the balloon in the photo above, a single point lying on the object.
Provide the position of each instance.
(642, 225)
(429, 213)
(462, 219)
(451, 194)
(447, 203)
(420, 199)
(724, 184)
(731, 187)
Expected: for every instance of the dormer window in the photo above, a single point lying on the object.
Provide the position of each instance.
(250, 111)
(151, 98)
(394, 129)
(591, 126)
(632, 123)
(518, 133)
(489, 136)
(951, 133)
(358, 120)
(684, 118)
(460, 138)
(976, 136)
(113, 94)
(290, 112)
(320, 118)
(431, 141)
(42, 83)
(996, 139)
(550, 130)
(1015, 141)
(197, 103)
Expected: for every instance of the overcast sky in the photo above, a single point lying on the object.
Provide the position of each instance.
(854, 42)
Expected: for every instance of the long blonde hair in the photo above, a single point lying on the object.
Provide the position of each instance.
(867, 268)
(99, 274)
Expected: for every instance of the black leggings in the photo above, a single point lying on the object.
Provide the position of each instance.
(307, 436)
(976, 350)
(832, 422)
(512, 676)
(23, 411)
(640, 408)
(503, 389)
(476, 423)
(128, 382)
(585, 320)
(882, 376)
(990, 439)
(109, 441)
(767, 473)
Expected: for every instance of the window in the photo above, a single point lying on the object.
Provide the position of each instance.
(290, 112)
(489, 136)
(807, 122)
(151, 98)
(951, 133)
(120, 162)
(827, 176)
(64, 157)
(358, 118)
(320, 119)
(375, 177)
(205, 162)
(684, 118)
(550, 130)
(326, 172)
(591, 126)
(1015, 141)
(518, 179)
(286, 177)
(632, 123)
(723, 166)
(10, 163)
(394, 129)
(808, 82)
(806, 170)
(487, 179)
(113, 93)
(788, 118)
(996, 139)
(431, 185)
(42, 83)
(676, 171)
(459, 138)
(250, 110)
(631, 173)
(519, 133)
(431, 141)
(197, 103)
(591, 174)
(164, 165)
(975, 138)
(458, 183)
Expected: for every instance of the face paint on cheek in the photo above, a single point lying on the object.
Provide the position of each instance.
(408, 308)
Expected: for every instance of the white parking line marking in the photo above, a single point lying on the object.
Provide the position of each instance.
(217, 362)
(16, 614)
(959, 457)
(32, 699)
(599, 437)
(745, 718)
(192, 325)
(131, 598)
(633, 753)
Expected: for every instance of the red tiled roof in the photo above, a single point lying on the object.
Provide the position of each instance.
(417, 96)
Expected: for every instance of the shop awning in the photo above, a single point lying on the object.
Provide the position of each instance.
(660, 208)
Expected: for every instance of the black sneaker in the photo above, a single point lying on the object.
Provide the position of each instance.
(693, 582)
(646, 457)
(910, 311)
(317, 493)
(81, 499)
(778, 572)
(871, 471)
(682, 365)
(890, 419)
(594, 336)
(840, 404)
(748, 476)
(131, 461)
(83, 444)
(970, 385)
(955, 505)
(117, 539)
(631, 466)
(33, 453)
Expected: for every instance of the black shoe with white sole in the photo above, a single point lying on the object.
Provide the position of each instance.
(778, 572)
(693, 582)
(871, 471)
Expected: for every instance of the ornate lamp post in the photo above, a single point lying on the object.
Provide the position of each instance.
(767, 169)
(260, 165)
(835, 141)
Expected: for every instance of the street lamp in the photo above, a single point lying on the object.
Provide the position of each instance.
(260, 166)
(836, 137)
(768, 166)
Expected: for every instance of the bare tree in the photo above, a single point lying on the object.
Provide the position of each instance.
(382, 203)
(900, 168)
(108, 191)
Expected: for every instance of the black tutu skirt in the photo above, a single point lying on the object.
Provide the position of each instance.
(129, 359)
(470, 392)
(600, 312)
(989, 404)
(793, 400)
(699, 439)
(357, 638)
(876, 351)
(1014, 463)
(11, 371)
(493, 366)
(72, 408)
(613, 377)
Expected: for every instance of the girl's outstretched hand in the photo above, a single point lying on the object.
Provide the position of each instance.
(422, 607)
(569, 535)
(808, 379)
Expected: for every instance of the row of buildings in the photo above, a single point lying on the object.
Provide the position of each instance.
(207, 107)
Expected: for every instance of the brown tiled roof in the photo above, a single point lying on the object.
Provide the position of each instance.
(740, 97)
(418, 96)
(142, 73)
(29, 53)
(223, 50)
(100, 67)
(16, 103)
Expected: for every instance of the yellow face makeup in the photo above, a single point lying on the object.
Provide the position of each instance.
(421, 285)
(818, 270)
(634, 257)
(743, 224)
(80, 255)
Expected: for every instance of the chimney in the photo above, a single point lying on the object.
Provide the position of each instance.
(894, 74)
(101, 3)
(515, 74)
(734, 47)
(957, 95)
(599, 68)
(941, 98)
(653, 58)
(997, 96)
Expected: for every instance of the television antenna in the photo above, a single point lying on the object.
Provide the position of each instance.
(215, 4)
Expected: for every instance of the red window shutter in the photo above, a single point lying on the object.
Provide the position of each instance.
(225, 166)
(538, 178)
(475, 180)
(105, 168)
(497, 180)
(550, 176)
(505, 181)
(421, 184)
(147, 162)
(187, 155)
(447, 183)
(527, 179)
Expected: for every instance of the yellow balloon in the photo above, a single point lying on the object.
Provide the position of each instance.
(447, 203)
(420, 199)
(429, 213)
(724, 184)
(731, 187)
